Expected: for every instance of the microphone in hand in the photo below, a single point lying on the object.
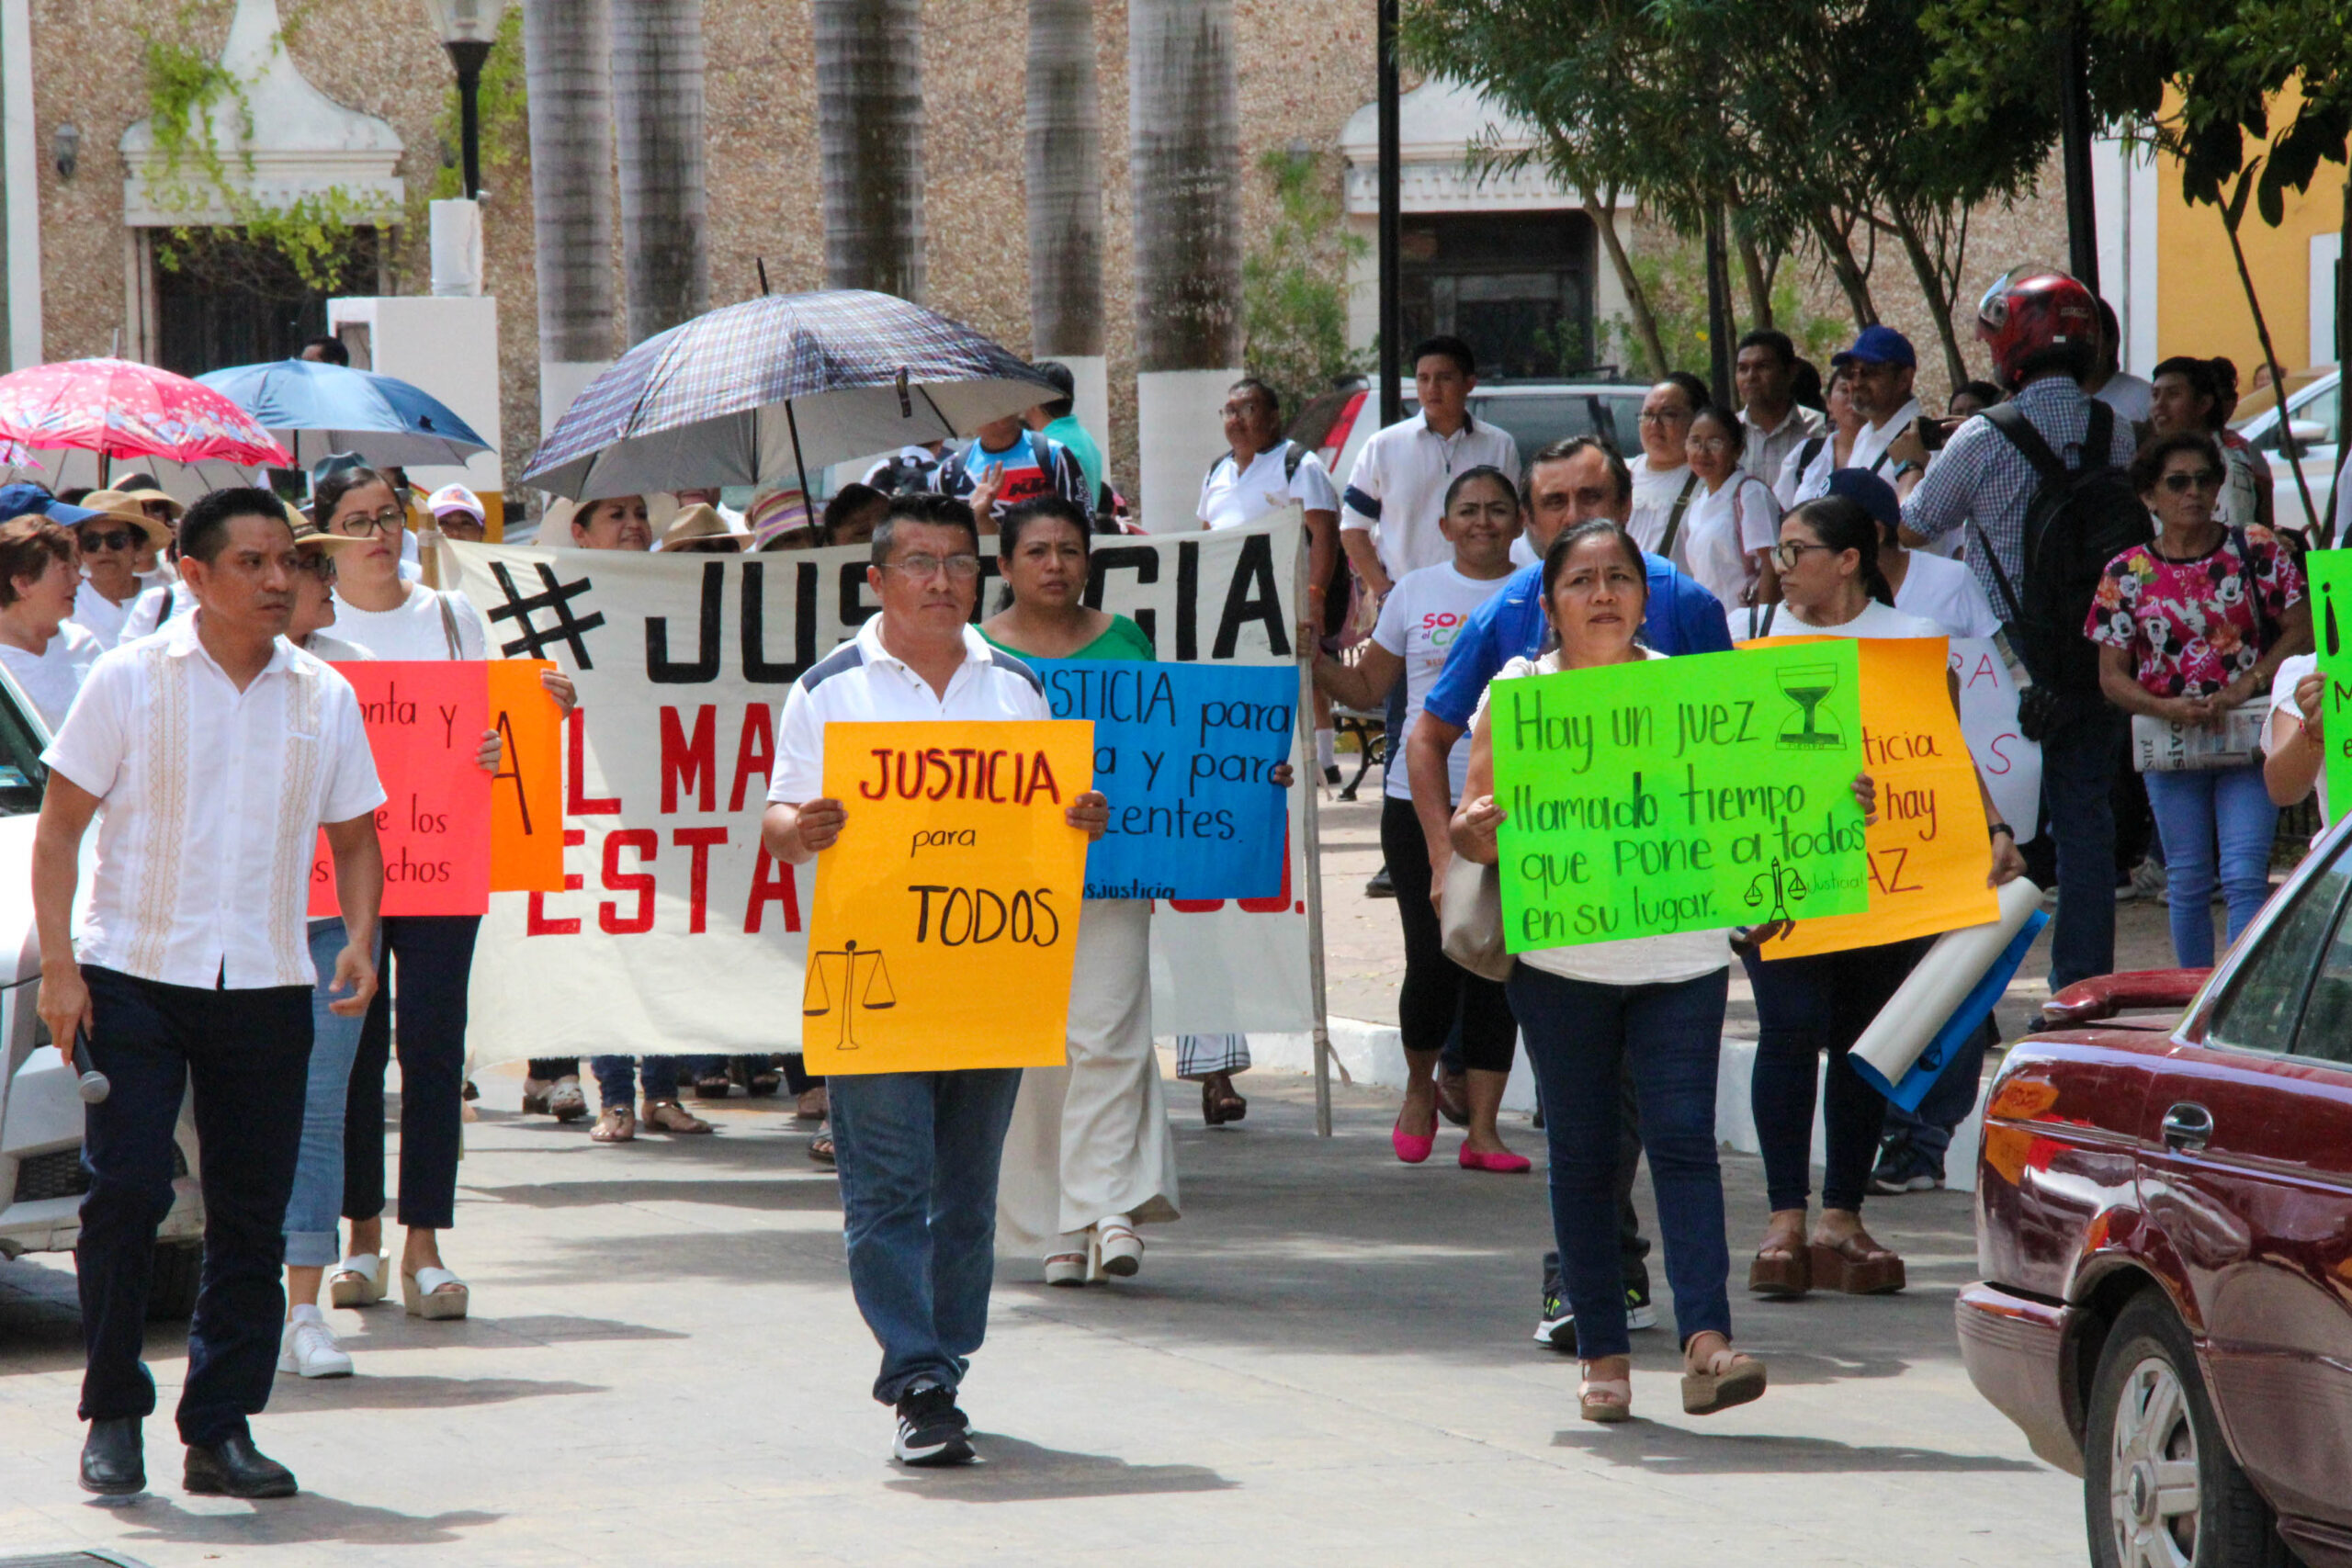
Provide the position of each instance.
(93, 1085)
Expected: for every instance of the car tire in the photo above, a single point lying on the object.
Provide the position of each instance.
(2148, 1389)
(171, 1292)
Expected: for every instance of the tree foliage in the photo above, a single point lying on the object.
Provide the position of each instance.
(1293, 283)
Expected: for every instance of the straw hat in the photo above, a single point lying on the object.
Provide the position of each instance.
(123, 507)
(141, 497)
(700, 522)
(310, 536)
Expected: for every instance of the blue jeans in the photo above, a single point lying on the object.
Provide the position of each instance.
(2194, 812)
(2078, 764)
(1667, 1037)
(917, 1154)
(617, 1080)
(1925, 1136)
(312, 1211)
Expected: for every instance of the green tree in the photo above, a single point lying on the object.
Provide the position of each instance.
(1293, 283)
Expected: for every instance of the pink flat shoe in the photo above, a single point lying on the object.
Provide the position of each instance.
(1410, 1149)
(1502, 1163)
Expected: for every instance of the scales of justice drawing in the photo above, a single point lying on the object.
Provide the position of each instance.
(844, 982)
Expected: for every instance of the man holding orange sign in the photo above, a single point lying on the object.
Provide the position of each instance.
(918, 1144)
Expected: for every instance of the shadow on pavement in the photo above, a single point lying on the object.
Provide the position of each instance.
(816, 1193)
(1013, 1471)
(1675, 1450)
(415, 1393)
(309, 1517)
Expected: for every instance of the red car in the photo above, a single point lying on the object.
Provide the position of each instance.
(2164, 1222)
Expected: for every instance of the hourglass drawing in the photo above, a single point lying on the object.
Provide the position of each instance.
(817, 994)
(1808, 686)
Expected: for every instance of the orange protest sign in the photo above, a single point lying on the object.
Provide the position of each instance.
(526, 796)
(945, 919)
(424, 727)
(1928, 854)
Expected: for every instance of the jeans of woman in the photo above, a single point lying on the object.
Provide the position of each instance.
(1436, 989)
(318, 1178)
(428, 960)
(2196, 811)
(1667, 1037)
(1805, 1006)
(617, 1078)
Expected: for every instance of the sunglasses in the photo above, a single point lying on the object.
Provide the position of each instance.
(2204, 479)
(116, 539)
(318, 563)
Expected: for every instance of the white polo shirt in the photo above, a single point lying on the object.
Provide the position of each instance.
(1398, 486)
(101, 617)
(213, 798)
(53, 677)
(1871, 442)
(863, 682)
(1233, 495)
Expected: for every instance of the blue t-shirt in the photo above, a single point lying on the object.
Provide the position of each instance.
(1682, 617)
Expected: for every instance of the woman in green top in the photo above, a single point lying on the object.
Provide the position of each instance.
(1089, 1155)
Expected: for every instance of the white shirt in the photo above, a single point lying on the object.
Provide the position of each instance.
(415, 630)
(334, 649)
(1871, 445)
(166, 602)
(1418, 621)
(1719, 531)
(212, 803)
(1800, 481)
(1398, 486)
(1232, 496)
(2287, 720)
(1945, 592)
(1655, 493)
(2132, 397)
(101, 617)
(1778, 620)
(1764, 453)
(1639, 961)
(863, 682)
(53, 678)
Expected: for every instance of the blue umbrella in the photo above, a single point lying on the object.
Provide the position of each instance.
(314, 409)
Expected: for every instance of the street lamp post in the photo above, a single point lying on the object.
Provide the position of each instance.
(468, 29)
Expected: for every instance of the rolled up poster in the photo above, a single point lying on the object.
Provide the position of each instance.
(1942, 995)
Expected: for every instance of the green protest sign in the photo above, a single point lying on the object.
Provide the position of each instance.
(1675, 794)
(2330, 579)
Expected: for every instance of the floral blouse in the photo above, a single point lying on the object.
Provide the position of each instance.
(2188, 624)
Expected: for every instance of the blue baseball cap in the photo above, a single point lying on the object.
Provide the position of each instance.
(18, 499)
(1877, 345)
(1876, 496)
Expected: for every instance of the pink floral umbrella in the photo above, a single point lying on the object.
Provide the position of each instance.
(120, 410)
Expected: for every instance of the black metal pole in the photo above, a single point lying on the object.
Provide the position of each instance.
(468, 56)
(1392, 371)
(2074, 134)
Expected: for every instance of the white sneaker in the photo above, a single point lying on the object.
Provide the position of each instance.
(308, 1349)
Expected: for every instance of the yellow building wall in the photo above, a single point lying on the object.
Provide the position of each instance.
(2200, 305)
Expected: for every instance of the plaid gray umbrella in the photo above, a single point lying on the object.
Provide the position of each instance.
(756, 392)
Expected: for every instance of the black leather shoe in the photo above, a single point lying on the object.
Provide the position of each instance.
(234, 1468)
(112, 1462)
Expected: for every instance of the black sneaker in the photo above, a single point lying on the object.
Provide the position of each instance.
(1557, 1326)
(1639, 1312)
(932, 1431)
(1380, 886)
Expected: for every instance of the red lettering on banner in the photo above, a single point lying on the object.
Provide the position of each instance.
(1272, 903)
(754, 752)
(698, 840)
(580, 805)
(778, 888)
(684, 761)
(648, 844)
(537, 922)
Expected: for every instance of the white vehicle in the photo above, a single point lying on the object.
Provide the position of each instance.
(2317, 412)
(42, 1178)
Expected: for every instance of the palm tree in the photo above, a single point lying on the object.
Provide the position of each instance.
(566, 47)
(1065, 184)
(1185, 160)
(869, 138)
(657, 76)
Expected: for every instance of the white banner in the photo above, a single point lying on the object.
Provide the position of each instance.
(679, 934)
(1988, 716)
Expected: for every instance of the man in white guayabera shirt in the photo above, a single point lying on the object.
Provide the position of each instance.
(219, 750)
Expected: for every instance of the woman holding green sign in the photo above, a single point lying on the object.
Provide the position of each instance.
(1089, 1157)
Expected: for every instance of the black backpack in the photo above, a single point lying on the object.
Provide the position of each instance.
(2078, 520)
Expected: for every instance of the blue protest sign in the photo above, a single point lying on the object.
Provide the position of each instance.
(1186, 754)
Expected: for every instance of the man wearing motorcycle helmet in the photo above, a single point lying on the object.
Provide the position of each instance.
(2041, 330)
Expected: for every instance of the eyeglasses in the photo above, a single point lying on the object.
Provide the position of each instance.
(2204, 479)
(359, 524)
(1663, 416)
(1788, 552)
(1711, 443)
(962, 569)
(116, 539)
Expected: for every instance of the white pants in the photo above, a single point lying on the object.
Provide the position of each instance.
(1092, 1140)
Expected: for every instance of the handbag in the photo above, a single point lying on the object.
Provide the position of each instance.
(1470, 919)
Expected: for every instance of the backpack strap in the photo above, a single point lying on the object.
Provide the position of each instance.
(2000, 578)
(2011, 422)
(449, 623)
(1674, 518)
(1293, 456)
(1809, 451)
(2264, 632)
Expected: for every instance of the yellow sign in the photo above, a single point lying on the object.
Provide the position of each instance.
(945, 917)
(1928, 854)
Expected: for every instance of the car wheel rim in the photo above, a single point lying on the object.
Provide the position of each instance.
(2153, 1493)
